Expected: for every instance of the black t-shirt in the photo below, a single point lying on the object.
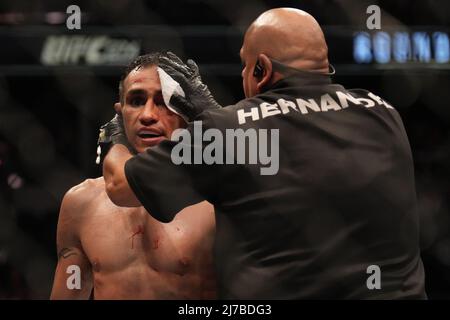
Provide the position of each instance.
(342, 200)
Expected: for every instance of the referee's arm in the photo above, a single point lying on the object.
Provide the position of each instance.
(116, 182)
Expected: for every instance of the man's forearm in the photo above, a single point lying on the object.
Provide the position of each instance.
(116, 182)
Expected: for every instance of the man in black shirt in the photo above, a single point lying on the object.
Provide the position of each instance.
(331, 213)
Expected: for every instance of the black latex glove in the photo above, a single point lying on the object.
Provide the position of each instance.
(111, 133)
(198, 97)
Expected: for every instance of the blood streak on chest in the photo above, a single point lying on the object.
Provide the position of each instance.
(140, 230)
(156, 243)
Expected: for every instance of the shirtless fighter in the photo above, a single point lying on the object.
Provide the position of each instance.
(124, 253)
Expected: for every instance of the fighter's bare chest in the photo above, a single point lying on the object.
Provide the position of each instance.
(118, 238)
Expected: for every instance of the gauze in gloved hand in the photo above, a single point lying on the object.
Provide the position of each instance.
(197, 97)
(170, 87)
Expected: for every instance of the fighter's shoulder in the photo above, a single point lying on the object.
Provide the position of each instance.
(82, 194)
(200, 214)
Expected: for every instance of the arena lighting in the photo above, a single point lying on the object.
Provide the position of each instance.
(421, 47)
(55, 17)
(15, 181)
(12, 18)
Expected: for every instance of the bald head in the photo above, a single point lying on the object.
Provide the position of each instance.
(290, 36)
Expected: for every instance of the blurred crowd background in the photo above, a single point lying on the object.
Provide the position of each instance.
(57, 86)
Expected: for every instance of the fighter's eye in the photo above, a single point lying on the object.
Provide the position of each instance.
(136, 101)
(159, 100)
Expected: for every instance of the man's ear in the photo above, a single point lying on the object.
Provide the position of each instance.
(118, 107)
(266, 65)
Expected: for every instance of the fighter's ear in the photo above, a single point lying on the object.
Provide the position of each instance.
(118, 107)
(266, 66)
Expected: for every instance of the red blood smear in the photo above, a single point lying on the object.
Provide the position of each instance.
(140, 230)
